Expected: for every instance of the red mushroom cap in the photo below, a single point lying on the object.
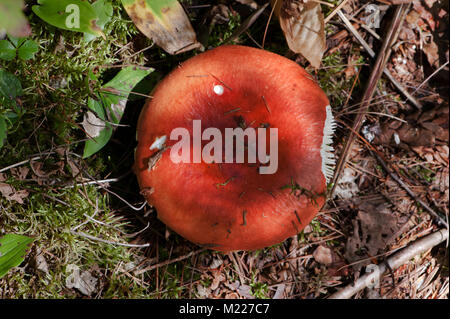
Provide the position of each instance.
(232, 206)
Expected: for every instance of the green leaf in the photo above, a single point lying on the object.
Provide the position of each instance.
(109, 107)
(7, 50)
(17, 41)
(72, 15)
(163, 21)
(104, 11)
(96, 128)
(27, 50)
(10, 86)
(13, 249)
(12, 18)
(2, 130)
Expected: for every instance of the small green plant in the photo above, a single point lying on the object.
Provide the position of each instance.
(10, 89)
(24, 48)
(259, 289)
(316, 227)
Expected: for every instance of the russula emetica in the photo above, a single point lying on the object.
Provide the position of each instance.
(207, 194)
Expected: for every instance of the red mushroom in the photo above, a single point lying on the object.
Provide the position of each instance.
(233, 205)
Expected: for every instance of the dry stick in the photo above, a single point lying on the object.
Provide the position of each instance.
(82, 234)
(372, 54)
(338, 8)
(418, 247)
(168, 262)
(428, 78)
(378, 68)
(247, 24)
(439, 220)
(268, 22)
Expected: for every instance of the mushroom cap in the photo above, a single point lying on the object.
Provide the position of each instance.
(231, 206)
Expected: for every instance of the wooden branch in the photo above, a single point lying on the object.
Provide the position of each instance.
(418, 247)
(369, 50)
(440, 221)
(377, 71)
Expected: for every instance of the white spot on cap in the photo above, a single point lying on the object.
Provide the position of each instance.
(158, 143)
(218, 89)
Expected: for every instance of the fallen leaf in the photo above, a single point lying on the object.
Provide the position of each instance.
(216, 263)
(165, 22)
(303, 26)
(245, 291)
(39, 261)
(82, 281)
(280, 291)
(374, 227)
(218, 278)
(202, 291)
(20, 172)
(11, 194)
(92, 124)
(431, 50)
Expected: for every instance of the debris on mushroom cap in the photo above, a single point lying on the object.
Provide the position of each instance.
(232, 205)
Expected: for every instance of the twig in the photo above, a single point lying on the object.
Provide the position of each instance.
(332, 14)
(237, 267)
(400, 258)
(428, 78)
(167, 262)
(268, 22)
(24, 162)
(97, 182)
(369, 50)
(82, 234)
(439, 219)
(378, 68)
(247, 24)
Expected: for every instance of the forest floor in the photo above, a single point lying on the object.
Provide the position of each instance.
(94, 237)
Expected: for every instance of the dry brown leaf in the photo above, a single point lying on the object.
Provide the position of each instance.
(431, 50)
(11, 194)
(374, 228)
(303, 26)
(20, 172)
(165, 23)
